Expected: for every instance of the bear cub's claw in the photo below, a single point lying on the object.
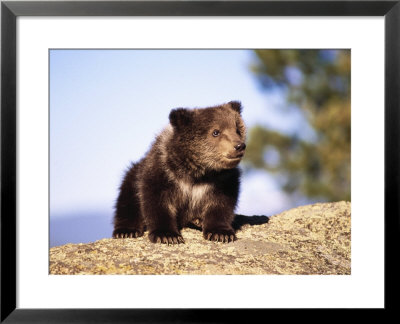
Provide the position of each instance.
(127, 233)
(225, 237)
(166, 238)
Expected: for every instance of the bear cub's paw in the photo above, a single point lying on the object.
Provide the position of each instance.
(166, 237)
(126, 233)
(224, 236)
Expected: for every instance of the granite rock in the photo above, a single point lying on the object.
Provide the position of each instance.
(312, 239)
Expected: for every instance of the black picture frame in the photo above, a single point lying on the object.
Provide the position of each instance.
(10, 10)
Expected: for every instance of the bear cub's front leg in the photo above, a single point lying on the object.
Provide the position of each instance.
(161, 223)
(220, 235)
(165, 237)
(217, 226)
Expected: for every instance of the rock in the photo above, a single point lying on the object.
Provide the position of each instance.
(313, 239)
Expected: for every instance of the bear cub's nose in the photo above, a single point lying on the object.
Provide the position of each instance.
(240, 147)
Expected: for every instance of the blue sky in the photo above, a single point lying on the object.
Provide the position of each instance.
(106, 106)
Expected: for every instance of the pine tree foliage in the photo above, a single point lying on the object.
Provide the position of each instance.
(316, 83)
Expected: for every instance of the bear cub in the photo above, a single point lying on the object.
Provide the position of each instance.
(189, 176)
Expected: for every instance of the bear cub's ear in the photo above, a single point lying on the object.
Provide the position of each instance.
(236, 106)
(180, 117)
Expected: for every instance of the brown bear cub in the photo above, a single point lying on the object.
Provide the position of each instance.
(189, 176)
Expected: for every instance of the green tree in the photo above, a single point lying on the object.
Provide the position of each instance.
(315, 83)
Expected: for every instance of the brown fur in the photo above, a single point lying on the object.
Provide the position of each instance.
(189, 176)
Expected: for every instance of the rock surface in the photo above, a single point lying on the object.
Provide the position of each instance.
(313, 239)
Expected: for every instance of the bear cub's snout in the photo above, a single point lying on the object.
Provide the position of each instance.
(240, 147)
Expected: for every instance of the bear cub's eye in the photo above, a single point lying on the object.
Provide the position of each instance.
(216, 133)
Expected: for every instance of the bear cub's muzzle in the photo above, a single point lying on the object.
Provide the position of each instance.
(239, 150)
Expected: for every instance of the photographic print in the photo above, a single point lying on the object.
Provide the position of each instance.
(230, 161)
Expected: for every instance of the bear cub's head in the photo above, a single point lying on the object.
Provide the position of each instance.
(214, 137)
